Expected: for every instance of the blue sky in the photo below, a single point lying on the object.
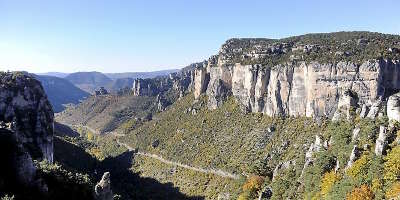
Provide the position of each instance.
(118, 35)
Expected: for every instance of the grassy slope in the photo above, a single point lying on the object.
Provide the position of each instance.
(230, 140)
(224, 138)
(235, 142)
(106, 112)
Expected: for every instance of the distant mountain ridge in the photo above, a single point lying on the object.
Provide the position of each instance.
(61, 91)
(135, 75)
(132, 75)
(56, 74)
(90, 81)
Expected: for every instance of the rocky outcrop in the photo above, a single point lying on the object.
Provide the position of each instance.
(103, 188)
(381, 141)
(355, 154)
(393, 107)
(24, 105)
(347, 101)
(17, 165)
(364, 111)
(101, 91)
(161, 103)
(355, 134)
(201, 79)
(316, 146)
(143, 87)
(374, 110)
(26, 132)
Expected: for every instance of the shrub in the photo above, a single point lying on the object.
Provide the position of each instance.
(377, 185)
(245, 196)
(64, 184)
(6, 197)
(361, 193)
(328, 181)
(392, 165)
(394, 191)
(360, 168)
(251, 187)
(254, 183)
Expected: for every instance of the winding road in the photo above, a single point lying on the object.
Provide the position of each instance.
(217, 172)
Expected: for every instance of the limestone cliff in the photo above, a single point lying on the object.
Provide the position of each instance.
(26, 111)
(303, 89)
(282, 78)
(26, 131)
(329, 75)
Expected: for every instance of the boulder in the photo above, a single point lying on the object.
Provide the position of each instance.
(103, 188)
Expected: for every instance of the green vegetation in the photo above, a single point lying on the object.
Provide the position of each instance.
(64, 184)
(254, 145)
(211, 137)
(355, 47)
(105, 113)
(206, 139)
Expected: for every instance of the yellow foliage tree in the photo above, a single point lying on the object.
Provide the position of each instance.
(361, 193)
(394, 191)
(392, 165)
(251, 187)
(90, 136)
(97, 153)
(377, 185)
(253, 183)
(359, 167)
(327, 182)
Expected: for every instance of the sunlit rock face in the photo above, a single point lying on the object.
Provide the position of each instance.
(393, 107)
(26, 111)
(304, 89)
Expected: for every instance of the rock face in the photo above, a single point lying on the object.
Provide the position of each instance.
(393, 107)
(347, 101)
(142, 87)
(201, 78)
(381, 141)
(101, 91)
(304, 89)
(279, 78)
(355, 154)
(103, 188)
(17, 166)
(24, 105)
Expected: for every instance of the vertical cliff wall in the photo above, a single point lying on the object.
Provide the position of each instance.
(26, 111)
(301, 89)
